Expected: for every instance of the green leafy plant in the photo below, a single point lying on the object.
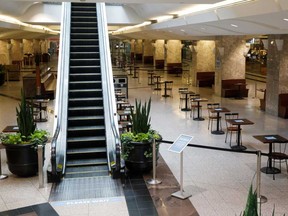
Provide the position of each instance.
(251, 204)
(141, 117)
(27, 127)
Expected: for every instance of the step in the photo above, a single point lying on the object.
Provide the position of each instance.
(86, 139)
(79, 128)
(84, 43)
(85, 120)
(86, 150)
(85, 162)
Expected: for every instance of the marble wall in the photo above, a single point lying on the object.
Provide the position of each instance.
(229, 59)
(159, 51)
(173, 51)
(277, 72)
(205, 56)
(148, 49)
(138, 47)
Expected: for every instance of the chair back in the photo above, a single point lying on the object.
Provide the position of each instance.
(232, 115)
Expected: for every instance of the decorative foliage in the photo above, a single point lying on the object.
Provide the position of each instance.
(2, 68)
(141, 117)
(251, 204)
(25, 118)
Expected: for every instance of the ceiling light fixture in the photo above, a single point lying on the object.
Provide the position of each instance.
(233, 25)
(285, 19)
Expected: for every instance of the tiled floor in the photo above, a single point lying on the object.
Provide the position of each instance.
(218, 181)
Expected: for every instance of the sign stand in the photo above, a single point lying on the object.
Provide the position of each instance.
(178, 146)
(154, 181)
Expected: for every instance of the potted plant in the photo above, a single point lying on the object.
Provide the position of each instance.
(21, 148)
(2, 74)
(137, 145)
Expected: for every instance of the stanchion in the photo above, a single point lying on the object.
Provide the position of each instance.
(40, 166)
(2, 176)
(181, 194)
(154, 181)
(260, 199)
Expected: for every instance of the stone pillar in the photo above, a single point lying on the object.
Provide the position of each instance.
(148, 50)
(159, 54)
(277, 75)
(139, 50)
(229, 59)
(173, 55)
(4, 52)
(203, 58)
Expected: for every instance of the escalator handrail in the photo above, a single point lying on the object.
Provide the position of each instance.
(106, 70)
(58, 143)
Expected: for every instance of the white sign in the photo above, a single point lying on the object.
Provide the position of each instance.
(180, 143)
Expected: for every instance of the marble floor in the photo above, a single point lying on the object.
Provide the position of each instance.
(218, 181)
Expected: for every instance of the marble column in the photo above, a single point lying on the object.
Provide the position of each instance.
(148, 51)
(203, 58)
(139, 50)
(229, 59)
(159, 54)
(277, 74)
(173, 51)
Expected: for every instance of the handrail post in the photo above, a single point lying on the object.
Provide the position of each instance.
(2, 176)
(260, 199)
(154, 181)
(40, 166)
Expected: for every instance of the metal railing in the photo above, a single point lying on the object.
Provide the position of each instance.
(110, 111)
(58, 144)
(258, 171)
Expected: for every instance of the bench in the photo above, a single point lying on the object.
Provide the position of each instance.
(205, 79)
(13, 72)
(230, 88)
(174, 68)
(283, 105)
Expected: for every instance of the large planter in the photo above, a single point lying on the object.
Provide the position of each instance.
(22, 159)
(137, 161)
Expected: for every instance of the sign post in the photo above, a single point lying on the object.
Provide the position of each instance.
(178, 146)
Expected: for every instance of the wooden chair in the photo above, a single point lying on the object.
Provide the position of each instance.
(231, 128)
(212, 116)
(279, 155)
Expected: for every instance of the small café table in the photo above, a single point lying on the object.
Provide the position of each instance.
(124, 115)
(218, 110)
(239, 122)
(270, 139)
(11, 129)
(150, 77)
(199, 100)
(165, 88)
(158, 82)
(186, 93)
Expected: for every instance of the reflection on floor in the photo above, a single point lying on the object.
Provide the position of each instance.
(218, 181)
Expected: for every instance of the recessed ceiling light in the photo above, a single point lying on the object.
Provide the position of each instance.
(233, 25)
(285, 19)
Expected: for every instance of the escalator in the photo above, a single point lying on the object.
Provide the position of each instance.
(86, 154)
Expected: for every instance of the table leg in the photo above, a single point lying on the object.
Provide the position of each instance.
(186, 104)
(270, 169)
(218, 131)
(238, 147)
(199, 118)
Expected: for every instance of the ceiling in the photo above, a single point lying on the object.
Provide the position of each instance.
(248, 17)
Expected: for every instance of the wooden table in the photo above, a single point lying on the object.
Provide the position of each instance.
(218, 110)
(11, 129)
(270, 139)
(199, 100)
(239, 122)
(150, 77)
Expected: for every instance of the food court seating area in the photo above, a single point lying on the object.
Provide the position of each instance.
(230, 88)
(205, 79)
